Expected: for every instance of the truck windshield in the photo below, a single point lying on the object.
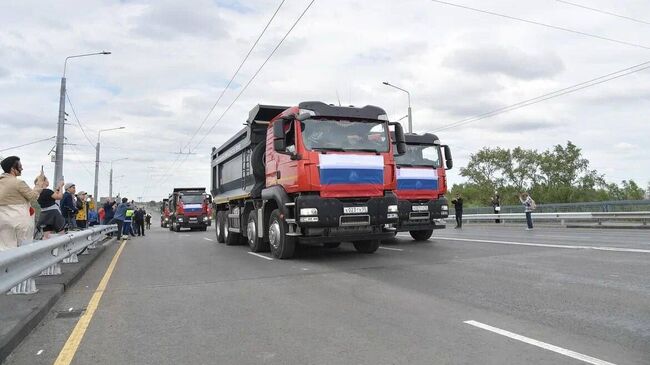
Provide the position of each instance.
(419, 155)
(192, 199)
(345, 135)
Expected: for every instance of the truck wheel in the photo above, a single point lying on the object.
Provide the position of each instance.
(256, 244)
(232, 238)
(331, 244)
(366, 246)
(282, 246)
(421, 235)
(178, 227)
(219, 227)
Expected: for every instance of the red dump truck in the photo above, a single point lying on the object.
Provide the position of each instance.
(189, 208)
(309, 174)
(422, 185)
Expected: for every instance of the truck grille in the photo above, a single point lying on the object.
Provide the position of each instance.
(354, 220)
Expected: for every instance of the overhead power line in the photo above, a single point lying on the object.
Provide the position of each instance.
(74, 112)
(551, 95)
(256, 72)
(235, 73)
(542, 24)
(27, 144)
(604, 12)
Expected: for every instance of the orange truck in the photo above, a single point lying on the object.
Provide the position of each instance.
(422, 185)
(314, 174)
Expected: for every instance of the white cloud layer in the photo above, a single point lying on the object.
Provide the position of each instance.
(171, 60)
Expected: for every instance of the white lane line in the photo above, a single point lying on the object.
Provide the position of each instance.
(262, 256)
(390, 248)
(39, 352)
(574, 247)
(544, 345)
(208, 239)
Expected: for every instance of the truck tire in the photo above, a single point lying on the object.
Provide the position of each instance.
(256, 243)
(232, 238)
(331, 244)
(366, 246)
(282, 246)
(178, 227)
(219, 227)
(421, 235)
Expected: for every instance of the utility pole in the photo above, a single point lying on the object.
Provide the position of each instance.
(96, 191)
(60, 130)
(110, 181)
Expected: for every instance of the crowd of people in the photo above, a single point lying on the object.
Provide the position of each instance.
(28, 212)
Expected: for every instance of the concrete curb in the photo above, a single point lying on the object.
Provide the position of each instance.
(20, 314)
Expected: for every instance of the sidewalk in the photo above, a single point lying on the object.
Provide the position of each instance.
(20, 314)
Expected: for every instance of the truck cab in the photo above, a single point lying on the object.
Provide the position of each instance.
(422, 184)
(164, 213)
(189, 208)
(319, 174)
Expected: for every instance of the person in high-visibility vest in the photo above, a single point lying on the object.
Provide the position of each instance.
(128, 229)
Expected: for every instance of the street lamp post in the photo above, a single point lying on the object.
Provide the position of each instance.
(110, 181)
(97, 160)
(409, 98)
(60, 130)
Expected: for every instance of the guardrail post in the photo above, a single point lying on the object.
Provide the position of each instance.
(72, 259)
(26, 287)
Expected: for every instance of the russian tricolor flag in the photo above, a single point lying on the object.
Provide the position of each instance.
(417, 179)
(192, 208)
(351, 169)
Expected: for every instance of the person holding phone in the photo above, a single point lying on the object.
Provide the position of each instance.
(50, 219)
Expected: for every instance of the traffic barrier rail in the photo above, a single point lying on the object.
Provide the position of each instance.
(586, 207)
(18, 266)
(597, 217)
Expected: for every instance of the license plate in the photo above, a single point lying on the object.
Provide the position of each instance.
(192, 219)
(420, 208)
(355, 210)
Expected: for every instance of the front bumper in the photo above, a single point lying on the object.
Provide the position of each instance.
(427, 215)
(332, 224)
(189, 222)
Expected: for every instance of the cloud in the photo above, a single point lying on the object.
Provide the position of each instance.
(170, 19)
(505, 61)
(3, 72)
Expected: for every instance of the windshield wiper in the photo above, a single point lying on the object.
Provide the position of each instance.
(335, 149)
(366, 150)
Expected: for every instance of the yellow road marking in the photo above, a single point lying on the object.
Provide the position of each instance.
(72, 344)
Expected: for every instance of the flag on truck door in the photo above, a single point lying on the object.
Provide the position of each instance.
(417, 179)
(351, 169)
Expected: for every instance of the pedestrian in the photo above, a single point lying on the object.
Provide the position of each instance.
(496, 205)
(128, 221)
(147, 220)
(529, 206)
(120, 216)
(16, 223)
(458, 206)
(138, 218)
(82, 210)
(109, 210)
(101, 214)
(50, 220)
(93, 217)
(68, 206)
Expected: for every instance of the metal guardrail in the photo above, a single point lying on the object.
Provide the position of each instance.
(587, 207)
(597, 217)
(21, 264)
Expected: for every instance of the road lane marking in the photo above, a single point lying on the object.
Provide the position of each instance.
(72, 344)
(208, 239)
(390, 248)
(39, 352)
(574, 247)
(262, 256)
(544, 345)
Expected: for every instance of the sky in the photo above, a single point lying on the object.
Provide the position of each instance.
(171, 60)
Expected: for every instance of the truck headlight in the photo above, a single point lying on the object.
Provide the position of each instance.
(392, 208)
(205, 219)
(309, 219)
(392, 216)
(179, 219)
(308, 211)
(444, 207)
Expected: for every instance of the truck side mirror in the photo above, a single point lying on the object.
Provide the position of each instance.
(400, 141)
(449, 163)
(279, 138)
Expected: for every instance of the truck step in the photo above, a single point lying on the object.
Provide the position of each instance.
(289, 204)
(290, 220)
(293, 234)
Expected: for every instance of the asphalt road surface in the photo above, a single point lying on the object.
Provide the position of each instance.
(483, 295)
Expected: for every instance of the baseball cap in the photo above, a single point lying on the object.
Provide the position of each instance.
(68, 186)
